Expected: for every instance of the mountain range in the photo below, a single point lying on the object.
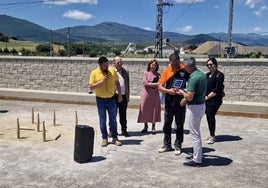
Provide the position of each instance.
(113, 32)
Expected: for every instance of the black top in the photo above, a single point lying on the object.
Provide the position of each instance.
(215, 84)
(179, 79)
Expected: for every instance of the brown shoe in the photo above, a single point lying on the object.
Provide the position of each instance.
(116, 142)
(104, 143)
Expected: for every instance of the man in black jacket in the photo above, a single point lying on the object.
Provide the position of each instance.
(123, 75)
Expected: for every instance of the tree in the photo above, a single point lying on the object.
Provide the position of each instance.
(25, 52)
(6, 50)
(14, 51)
(4, 38)
(43, 48)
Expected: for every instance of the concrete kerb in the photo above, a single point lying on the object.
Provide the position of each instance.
(229, 108)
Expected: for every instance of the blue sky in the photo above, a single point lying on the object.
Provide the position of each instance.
(185, 16)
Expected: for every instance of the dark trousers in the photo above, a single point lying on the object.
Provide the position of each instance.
(211, 111)
(122, 111)
(179, 114)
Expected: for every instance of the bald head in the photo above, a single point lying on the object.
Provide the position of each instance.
(118, 62)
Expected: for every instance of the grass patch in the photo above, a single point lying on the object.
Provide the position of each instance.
(18, 45)
(29, 45)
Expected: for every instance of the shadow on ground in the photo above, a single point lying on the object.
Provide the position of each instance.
(214, 160)
(224, 138)
(210, 160)
(131, 142)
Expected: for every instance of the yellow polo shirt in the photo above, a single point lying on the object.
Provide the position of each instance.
(107, 89)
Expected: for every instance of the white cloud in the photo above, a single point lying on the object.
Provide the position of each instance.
(66, 2)
(251, 3)
(261, 10)
(148, 28)
(186, 28)
(78, 15)
(257, 29)
(188, 1)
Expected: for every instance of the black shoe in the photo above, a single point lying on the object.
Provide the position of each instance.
(125, 133)
(145, 130)
(153, 131)
(190, 157)
(192, 163)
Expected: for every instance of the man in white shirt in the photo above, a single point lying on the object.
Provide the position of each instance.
(123, 75)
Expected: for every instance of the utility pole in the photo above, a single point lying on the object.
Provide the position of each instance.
(68, 41)
(219, 46)
(230, 28)
(159, 27)
(51, 47)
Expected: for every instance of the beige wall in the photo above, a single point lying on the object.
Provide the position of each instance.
(245, 79)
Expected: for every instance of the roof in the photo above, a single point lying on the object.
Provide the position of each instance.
(214, 47)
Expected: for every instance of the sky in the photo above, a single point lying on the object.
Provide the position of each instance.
(188, 17)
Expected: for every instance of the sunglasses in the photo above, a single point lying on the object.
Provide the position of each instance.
(209, 65)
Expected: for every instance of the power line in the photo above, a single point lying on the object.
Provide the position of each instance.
(21, 3)
(183, 12)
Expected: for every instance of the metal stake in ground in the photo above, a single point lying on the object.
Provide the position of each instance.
(18, 129)
(32, 115)
(38, 123)
(54, 118)
(44, 132)
(76, 118)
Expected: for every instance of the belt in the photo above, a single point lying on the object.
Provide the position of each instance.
(196, 103)
(105, 98)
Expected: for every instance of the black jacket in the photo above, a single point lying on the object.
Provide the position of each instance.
(215, 84)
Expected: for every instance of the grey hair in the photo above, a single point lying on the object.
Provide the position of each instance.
(189, 61)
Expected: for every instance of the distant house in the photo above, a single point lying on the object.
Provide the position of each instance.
(167, 51)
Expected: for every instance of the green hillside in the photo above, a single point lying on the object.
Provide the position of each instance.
(18, 45)
(29, 45)
(25, 30)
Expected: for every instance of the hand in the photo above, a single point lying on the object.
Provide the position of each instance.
(105, 77)
(179, 92)
(119, 98)
(171, 91)
(183, 102)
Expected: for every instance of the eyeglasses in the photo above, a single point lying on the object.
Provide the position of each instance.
(209, 65)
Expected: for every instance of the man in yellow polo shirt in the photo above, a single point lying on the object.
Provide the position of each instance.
(103, 80)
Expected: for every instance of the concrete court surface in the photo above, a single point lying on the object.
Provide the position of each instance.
(237, 159)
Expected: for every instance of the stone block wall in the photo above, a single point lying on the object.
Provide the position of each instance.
(245, 79)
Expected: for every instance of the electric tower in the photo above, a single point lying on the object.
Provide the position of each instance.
(159, 27)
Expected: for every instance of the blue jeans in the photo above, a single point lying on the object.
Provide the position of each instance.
(108, 105)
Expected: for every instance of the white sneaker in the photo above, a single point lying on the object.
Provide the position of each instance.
(211, 140)
(177, 151)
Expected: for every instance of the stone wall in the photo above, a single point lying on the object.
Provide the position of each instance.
(245, 79)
